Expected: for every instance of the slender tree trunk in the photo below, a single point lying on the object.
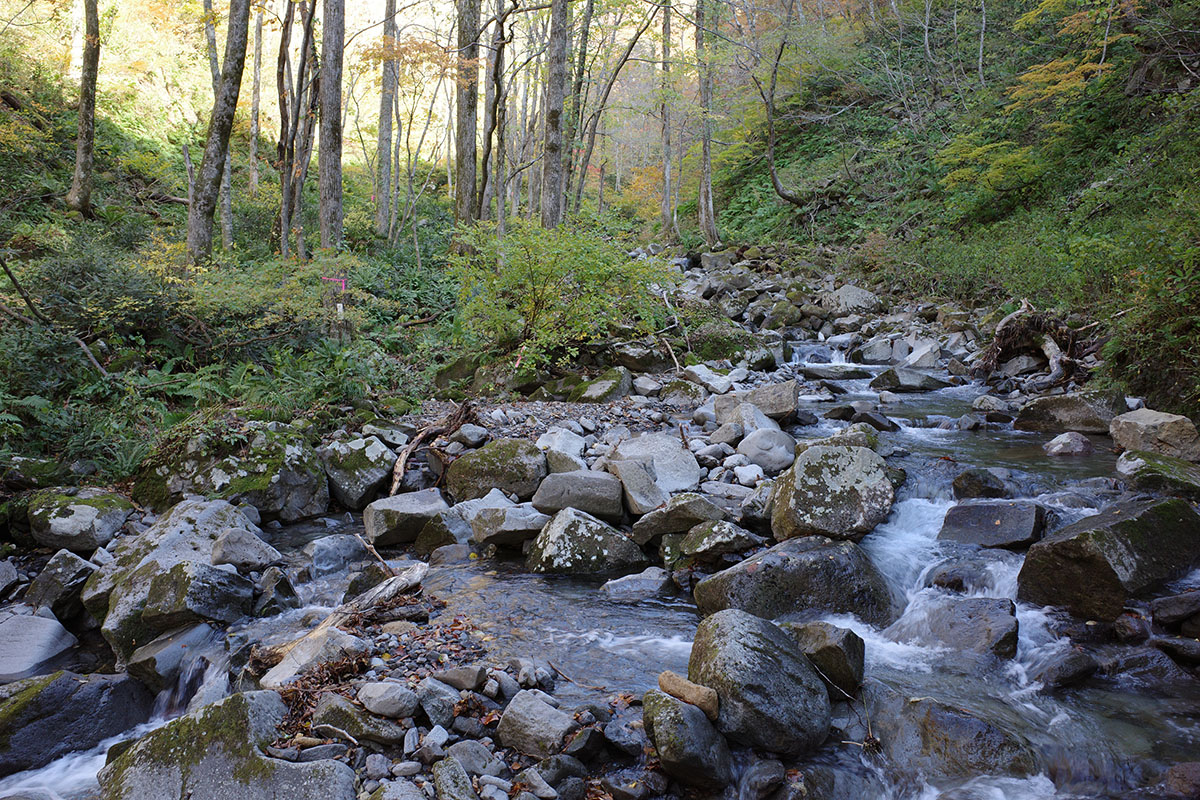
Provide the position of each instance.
(666, 211)
(226, 200)
(254, 102)
(552, 149)
(383, 152)
(982, 31)
(466, 129)
(216, 148)
(80, 196)
(576, 110)
(707, 215)
(329, 159)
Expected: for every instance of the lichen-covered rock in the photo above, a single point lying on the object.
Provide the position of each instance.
(59, 585)
(1096, 565)
(216, 753)
(674, 467)
(336, 712)
(358, 469)
(400, 518)
(1155, 472)
(514, 466)
(834, 491)
(689, 748)
(1085, 412)
(77, 520)
(611, 385)
(770, 697)
(42, 719)
(575, 543)
(682, 394)
(680, 514)
(800, 576)
(708, 541)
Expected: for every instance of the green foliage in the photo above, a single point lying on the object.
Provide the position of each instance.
(546, 292)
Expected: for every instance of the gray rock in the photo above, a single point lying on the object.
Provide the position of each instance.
(801, 575)
(779, 401)
(8, 576)
(835, 491)
(729, 433)
(651, 583)
(470, 435)
(1156, 432)
(438, 700)
(576, 543)
(30, 645)
(388, 699)
(79, 521)
(689, 748)
(770, 696)
(399, 519)
(675, 468)
(191, 592)
(1085, 412)
(469, 677)
(275, 594)
(850, 299)
(533, 727)
(708, 541)
(1174, 609)
(966, 568)
(901, 379)
(1070, 443)
(158, 663)
(595, 493)
(508, 527)
(215, 753)
(646, 386)
(983, 625)
(474, 757)
(59, 585)
(43, 719)
(772, 450)
(611, 385)
(334, 553)
(838, 655)
(642, 495)
(336, 713)
(244, 550)
(994, 524)
(391, 436)
(358, 469)
(680, 514)
(1154, 472)
(329, 644)
(1095, 566)
(514, 466)
(977, 482)
(714, 382)
(564, 450)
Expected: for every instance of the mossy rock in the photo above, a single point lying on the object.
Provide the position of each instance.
(682, 394)
(611, 385)
(514, 466)
(77, 520)
(1155, 472)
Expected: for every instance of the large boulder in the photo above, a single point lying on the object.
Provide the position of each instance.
(835, 491)
(851, 299)
(399, 519)
(611, 385)
(42, 719)
(903, 379)
(192, 592)
(674, 467)
(575, 543)
(800, 577)
(595, 493)
(838, 654)
(30, 644)
(689, 747)
(216, 752)
(1158, 432)
(1084, 412)
(772, 450)
(984, 625)
(59, 585)
(1154, 472)
(507, 527)
(680, 514)
(514, 466)
(358, 469)
(1096, 565)
(996, 524)
(532, 726)
(76, 520)
(770, 697)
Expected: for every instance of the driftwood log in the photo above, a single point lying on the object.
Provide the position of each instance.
(442, 427)
(1026, 331)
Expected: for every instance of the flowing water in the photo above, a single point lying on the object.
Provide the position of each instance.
(1101, 739)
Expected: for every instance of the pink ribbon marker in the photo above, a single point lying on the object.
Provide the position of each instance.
(340, 281)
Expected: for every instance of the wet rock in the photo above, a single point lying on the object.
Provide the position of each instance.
(1131, 628)
(965, 568)
(576, 543)
(902, 379)
(334, 553)
(336, 712)
(1007, 524)
(508, 527)
(834, 491)
(192, 592)
(641, 492)
(772, 450)
(1152, 472)
(533, 727)
(981, 625)
(42, 719)
(244, 550)
(680, 514)
(1070, 443)
(770, 697)
(59, 584)
(1083, 412)
(838, 654)
(158, 664)
(79, 521)
(595, 493)
(358, 469)
(674, 467)
(1094, 566)
(836, 372)
(836, 782)
(315, 648)
(978, 482)
(1156, 432)
(1067, 669)
(1183, 650)
(1174, 609)
(388, 699)
(689, 748)
(215, 753)
(651, 583)
(1183, 780)
(514, 466)
(399, 519)
(804, 575)
(876, 420)
(275, 594)
(702, 697)
(30, 644)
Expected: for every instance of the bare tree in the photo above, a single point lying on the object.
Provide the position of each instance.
(216, 148)
(226, 201)
(667, 210)
(578, 97)
(298, 99)
(329, 161)
(707, 215)
(982, 31)
(552, 148)
(254, 101)
(387, 99)
(467, 120)
(80, 195)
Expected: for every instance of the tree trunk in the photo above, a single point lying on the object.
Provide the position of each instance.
(667, 211)
(329, 160)
(466, 130)
(226, 201)
(80, 195)
(216, 148)
(383, 152)
(254, 102)
(982, 31)
(575, 115)
(552, 149)
(707, 216)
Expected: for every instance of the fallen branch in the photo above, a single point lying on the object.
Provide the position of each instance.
(462, 414)
(87, 351)
(572, 680)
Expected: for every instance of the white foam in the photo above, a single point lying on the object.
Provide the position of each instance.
(636, 645)
(907, 543)
(73, 775)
